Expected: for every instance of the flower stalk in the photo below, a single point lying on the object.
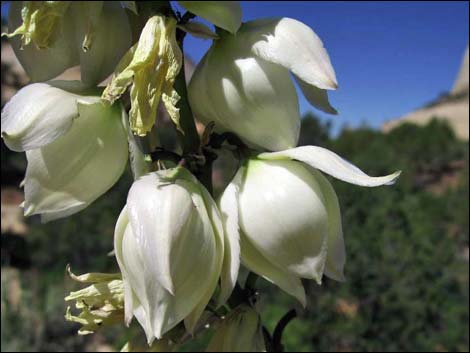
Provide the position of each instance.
(188, 135)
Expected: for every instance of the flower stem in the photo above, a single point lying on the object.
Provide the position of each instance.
(277, 345)
(188, 136)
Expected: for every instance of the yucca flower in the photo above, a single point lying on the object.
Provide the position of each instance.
(170, 244)
(287, 215)
(75, 146)
(243, 82)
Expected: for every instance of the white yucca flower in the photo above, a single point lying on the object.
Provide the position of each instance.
(49, 37)
(243, 83)
(287, 215)
(169, 243)
(75, 146)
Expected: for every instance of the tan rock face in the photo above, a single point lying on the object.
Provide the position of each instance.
(454, 107)
(455, 113)
(461, 83)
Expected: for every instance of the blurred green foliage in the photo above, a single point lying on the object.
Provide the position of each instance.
(407, 272)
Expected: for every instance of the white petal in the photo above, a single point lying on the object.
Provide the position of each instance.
(131, 267)
(173, 207)
(120, 229)
(224, 14)
(112, 39)
(143, 320)
(242, 95)
(332, 164)
(228, 206)
(250, 256)
(79, 166)
(37, 115)
(213, 213)
(169, 221)
(257, 263)
(336, 257)
(283, 214)
(295, 46)
(316, 96)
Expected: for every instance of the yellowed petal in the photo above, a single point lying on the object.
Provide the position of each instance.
(41, 22)
(100, 304)
(170, 102)
(151, 66)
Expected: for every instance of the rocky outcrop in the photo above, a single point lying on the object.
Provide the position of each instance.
(452, 107)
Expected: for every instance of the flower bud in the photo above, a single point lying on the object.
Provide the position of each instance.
(151, 66)
(289, 216)
(169, 243)
(243, 83)
(239, 332)
(69, 33)
(75, 146)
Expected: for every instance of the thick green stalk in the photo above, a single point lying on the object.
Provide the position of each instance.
(188, 136)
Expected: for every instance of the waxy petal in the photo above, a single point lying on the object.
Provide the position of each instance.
(223, 14)
(332, 164)
(283, 214)
(251, 257)
(130, 263)
(68, 174)
(257, 263)
(241, 95)
(316, 96)
(243, 83)
(169, 219)
(228, 205)
(38, 114)
(295, 46)
(336, 256)
(100, 52)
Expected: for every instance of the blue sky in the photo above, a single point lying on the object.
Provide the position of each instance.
(389, 57)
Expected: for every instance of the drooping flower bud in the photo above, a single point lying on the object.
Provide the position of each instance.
(151, 66)
(289, 216)
(223, 14)
(57, 35)
(169, 243)
(75, 146)
(243, 83)
(239, 332)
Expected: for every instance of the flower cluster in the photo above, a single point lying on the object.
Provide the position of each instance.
(179, 249)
